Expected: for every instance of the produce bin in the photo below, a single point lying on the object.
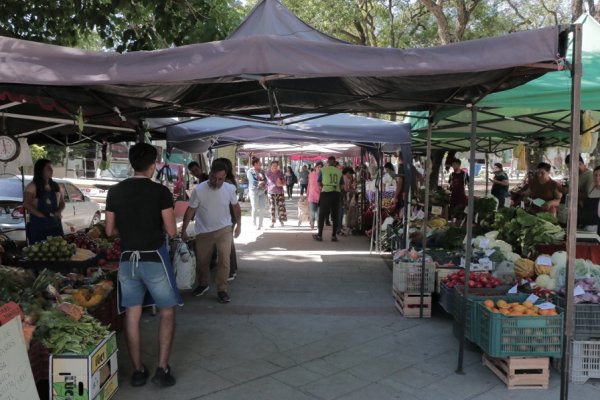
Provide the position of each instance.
(472, 326)
(446, 299)
(585, 361)
(586, 319)
(64, 267)
(519, 336)
(407, 277)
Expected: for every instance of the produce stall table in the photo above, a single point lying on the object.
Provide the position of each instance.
(586, 251)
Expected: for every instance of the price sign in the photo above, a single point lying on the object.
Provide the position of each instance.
(489, 252)
(546, 306)
(513, 290)
(578, 291)
(544, 260)
(532, 298)
(436, 210)
(484, 243)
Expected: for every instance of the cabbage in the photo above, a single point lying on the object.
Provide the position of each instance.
(545, 281)
(512, 257)
(493, 235)
(504, 247)
(559, 258)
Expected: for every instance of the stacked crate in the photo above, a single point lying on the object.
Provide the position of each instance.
(406, 287)
(585, 354)
(518, 348)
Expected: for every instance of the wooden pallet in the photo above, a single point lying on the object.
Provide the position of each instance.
(520, 372)
(409, 304)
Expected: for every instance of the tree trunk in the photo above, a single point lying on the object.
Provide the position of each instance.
(437, 156)
(576, 9)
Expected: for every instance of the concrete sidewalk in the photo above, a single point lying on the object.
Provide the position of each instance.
(314, 320)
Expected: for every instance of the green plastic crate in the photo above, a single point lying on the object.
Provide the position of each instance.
(586, 320)
(519, 336)
(480, 294)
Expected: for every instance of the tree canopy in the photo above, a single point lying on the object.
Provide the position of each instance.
(122, 25)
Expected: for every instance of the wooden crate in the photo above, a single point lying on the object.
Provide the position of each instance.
(520, 372)
(409, 304)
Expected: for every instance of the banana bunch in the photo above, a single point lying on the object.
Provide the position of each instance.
(525, 268)
(82, 255)
(436, 223)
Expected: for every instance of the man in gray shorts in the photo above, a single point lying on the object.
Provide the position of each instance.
(141, 212)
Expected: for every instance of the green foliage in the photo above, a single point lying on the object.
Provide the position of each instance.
(38, 152)
(524, 231)
(123, 25)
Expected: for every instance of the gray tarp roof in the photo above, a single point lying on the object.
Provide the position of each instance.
(198, 135)
(280, 66)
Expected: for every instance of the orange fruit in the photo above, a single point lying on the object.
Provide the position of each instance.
(528, 304)
(489, 303)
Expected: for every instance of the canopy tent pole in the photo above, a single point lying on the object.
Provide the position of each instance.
(363, 190)
(407, 213)
(468, 252)
(576, 73)
(380, 198)
(487, 173)
(428, 165)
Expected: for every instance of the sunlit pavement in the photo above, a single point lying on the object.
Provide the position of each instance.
(314, 320)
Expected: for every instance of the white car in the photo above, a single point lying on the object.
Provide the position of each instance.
(80, 211)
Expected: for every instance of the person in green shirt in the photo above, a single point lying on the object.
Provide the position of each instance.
(329, 180)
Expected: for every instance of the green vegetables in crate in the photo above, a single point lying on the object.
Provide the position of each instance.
(524, 230)
(60, 333)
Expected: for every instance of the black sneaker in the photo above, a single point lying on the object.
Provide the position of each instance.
(200, 290)
(163, 377)
(139, 378)
(232, 277)
(317, 238)
(223, 297)
(334, 239)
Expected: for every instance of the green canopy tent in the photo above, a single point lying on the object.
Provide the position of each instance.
(537, 112)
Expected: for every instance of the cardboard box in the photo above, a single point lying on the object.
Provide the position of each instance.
(91, 376)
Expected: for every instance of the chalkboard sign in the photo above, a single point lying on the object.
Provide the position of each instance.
(16, 378)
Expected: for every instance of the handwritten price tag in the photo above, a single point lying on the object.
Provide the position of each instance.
(546, 306)
(513, 290)
(436, 210)
(532, 298)
(578, 291)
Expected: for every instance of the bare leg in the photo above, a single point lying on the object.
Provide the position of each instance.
(165, 335)
(132, 323)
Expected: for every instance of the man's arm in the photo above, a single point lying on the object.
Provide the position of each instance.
(110, 226)
(168, 218)
(187, 217)
(237, 213)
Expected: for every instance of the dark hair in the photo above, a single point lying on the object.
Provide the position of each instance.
(456, 160)
(255, 160)
(568, 159)
(218, 166)
(38, 177)
(544, 165)
(331, 158)
(290, 169)
(274, 162)
(499, 165)
(597, 168)
(319, 164)
(142, 156)
(229, 176)
(193, 164)
(347, 170)
(388, 165)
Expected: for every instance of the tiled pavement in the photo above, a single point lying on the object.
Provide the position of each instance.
(315, 320)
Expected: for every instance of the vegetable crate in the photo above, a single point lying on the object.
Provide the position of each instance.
(586, 320)
(520, 372)
(407, 277)
(504, 336)
(89, 376)
(471, 320)
(409, 304)
(446, 299)
(585, 363)
(440, 275)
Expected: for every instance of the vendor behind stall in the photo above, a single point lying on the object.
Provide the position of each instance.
(499, 184)
(586, 179)
(44, 202)
(543, 193)
(457, 182)
(588, 215)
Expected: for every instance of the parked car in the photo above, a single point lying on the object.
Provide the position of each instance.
(80, 211)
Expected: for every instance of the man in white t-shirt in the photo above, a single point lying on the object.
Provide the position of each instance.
(210, 202)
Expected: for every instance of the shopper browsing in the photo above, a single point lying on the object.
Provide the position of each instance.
(141, 213)
(210, 203)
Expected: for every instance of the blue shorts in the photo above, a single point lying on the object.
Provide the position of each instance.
(149, 276)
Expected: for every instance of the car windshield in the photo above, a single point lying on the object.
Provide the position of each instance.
(115, 171)
(11, 188)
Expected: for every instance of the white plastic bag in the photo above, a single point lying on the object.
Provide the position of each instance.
(184, 264)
